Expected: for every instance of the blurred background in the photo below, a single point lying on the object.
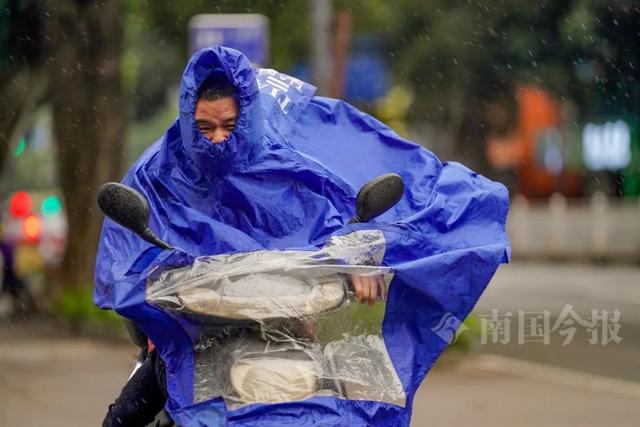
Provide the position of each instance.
(542, 96)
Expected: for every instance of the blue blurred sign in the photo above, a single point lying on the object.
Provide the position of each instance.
(367, 78)
(248, 33)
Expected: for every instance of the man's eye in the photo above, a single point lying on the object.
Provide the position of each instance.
(230, 127)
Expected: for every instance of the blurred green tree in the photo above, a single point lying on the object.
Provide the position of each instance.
(464, 59)
(67, 53)
(22, 82)
(84, 46)
(157, 44)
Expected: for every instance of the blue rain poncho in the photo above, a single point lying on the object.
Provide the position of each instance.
(286, 179)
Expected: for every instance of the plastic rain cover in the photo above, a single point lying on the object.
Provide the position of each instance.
(277, 326)
(286, 180)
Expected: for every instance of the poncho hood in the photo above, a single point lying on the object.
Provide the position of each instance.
(246, 142)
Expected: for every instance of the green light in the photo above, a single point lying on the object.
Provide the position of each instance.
(51, 206)
(20, 148)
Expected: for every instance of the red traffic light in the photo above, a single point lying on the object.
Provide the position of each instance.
(20, 204)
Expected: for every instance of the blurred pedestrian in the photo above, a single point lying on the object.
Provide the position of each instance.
(10, 281)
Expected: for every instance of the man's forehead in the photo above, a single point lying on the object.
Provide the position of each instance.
(222, 108)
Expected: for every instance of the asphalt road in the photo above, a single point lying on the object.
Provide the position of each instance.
(533, 288)
(49, 378)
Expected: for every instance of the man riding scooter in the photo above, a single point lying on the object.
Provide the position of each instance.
(145, 394)
(256, 162)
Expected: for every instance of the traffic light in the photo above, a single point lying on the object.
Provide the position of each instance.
(22, 145)
(32, 216)
(32, 228)
(20, 204)
(51, 206)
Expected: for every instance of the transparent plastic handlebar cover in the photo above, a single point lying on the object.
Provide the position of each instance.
(278, 326)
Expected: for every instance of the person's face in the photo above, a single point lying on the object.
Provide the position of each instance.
(217, 118)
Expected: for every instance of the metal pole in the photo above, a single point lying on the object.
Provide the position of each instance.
(341, 42)
(320, 44)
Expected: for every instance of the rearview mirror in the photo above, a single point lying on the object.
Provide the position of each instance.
(378, 196)
(128, 208)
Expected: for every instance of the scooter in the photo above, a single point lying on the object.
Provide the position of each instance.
(275, 326)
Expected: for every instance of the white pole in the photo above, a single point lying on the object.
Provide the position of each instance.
(600, 225)
(558, 230)
(320, 44)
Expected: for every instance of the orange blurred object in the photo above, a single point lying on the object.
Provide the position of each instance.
(538, 113)
(32, 228)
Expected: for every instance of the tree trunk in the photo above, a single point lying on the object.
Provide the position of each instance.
(22, 80)
(472, 138)
(86, 94)
(20, 93)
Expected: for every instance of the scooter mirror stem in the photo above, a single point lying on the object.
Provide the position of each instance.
(354, 220)
(148, 235)
(130, 209)
(378, 196)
